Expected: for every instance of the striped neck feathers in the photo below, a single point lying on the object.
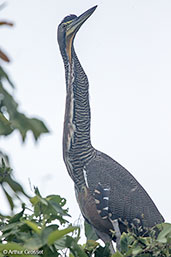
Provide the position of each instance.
(76, 137)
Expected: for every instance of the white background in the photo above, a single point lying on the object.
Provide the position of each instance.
(125, 49)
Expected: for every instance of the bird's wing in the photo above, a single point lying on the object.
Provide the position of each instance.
(127, 199)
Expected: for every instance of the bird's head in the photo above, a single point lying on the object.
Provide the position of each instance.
(68, 28)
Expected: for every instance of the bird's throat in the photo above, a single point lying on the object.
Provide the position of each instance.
(69, 47)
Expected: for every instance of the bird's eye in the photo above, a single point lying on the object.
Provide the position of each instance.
(64, 25)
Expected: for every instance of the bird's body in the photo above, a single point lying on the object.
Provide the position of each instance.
(106, 192)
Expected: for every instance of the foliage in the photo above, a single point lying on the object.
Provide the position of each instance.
(157, 244)
(10, 118)
(14, 189)
(44, 230)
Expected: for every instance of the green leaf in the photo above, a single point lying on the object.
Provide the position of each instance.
(117, 254)
(50, 252)
(166, 231)
(136, 250)
(75, 249)
(103, 251)
(56, 199)
(71, 255)
(24, 124)
(15, 186)
(11, 192)
(34, 200)
(33, 226)
(5, 126)
(38, 199)
(124, 242)
(17, 217)
(91, 245)
(55, 235)
(18, 120)
(144, 240)
(33, 242)
(55, 203)
(3, 75)
(47, 231)
(51, 207)
(37, 127)
(8, 101)
(90, 232)
(9, 198)
(60, 244)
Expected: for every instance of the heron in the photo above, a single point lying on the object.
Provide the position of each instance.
(109, 197)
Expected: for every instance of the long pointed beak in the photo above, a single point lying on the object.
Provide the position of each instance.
(74, 26)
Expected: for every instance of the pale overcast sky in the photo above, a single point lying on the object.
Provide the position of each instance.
(125, 49)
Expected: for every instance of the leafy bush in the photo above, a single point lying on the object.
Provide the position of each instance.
(40, 230)
(11, 119)
(157, 244)
(43, 230)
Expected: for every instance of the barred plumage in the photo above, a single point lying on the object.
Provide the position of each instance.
(110, 198)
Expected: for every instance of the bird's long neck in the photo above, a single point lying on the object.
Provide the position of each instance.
(77, 148)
